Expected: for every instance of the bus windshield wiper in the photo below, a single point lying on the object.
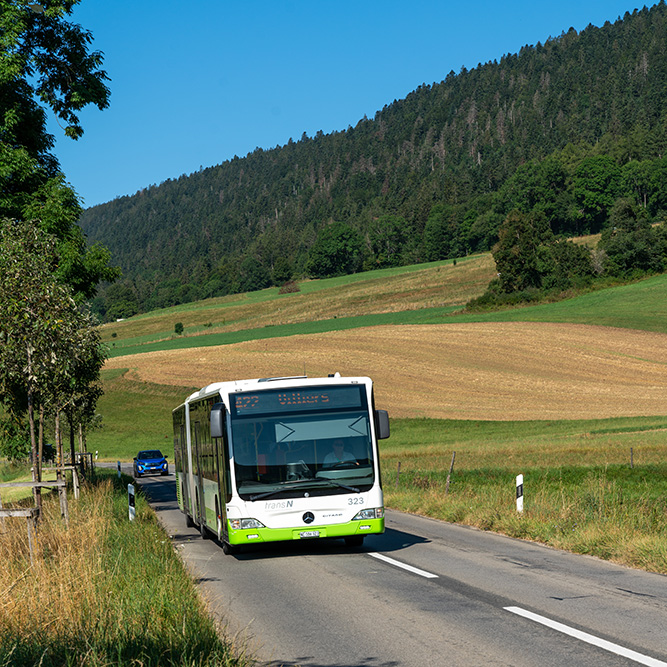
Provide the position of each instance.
(342, 486)
(268, 494)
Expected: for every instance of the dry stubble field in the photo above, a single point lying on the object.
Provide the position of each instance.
(490, 371)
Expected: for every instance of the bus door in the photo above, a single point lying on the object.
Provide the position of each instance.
(201, 510)
(185, 471)
(222, 466)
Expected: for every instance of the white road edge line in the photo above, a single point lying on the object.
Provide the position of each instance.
(590, 639)
(409, 568)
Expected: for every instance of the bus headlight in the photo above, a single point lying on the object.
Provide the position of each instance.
(245, 524)
(375, 513)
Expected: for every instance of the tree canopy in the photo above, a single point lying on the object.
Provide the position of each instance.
(46, 65)
(337, 251)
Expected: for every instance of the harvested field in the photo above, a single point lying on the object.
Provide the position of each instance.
(493, 371)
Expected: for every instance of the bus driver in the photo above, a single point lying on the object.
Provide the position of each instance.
(338, 455)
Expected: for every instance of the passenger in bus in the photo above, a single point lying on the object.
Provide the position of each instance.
(338, 455)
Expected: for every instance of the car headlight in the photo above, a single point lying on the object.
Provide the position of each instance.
(245, 524)
(374, 513)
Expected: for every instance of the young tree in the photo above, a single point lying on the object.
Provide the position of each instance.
(50, 354)
(283, 270)
(253, 275)
(121, 301)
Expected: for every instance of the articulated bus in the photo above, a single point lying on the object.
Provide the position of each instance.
(281, 459)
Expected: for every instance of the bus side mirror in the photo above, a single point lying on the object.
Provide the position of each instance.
(382, 424)
(218, 413)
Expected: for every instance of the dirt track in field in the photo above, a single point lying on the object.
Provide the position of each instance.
(504, 371)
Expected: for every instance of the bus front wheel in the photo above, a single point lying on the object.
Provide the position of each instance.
(228, 549)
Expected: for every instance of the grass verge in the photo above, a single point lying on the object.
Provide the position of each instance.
(103, 592)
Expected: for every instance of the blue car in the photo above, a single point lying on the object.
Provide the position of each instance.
(150, 462)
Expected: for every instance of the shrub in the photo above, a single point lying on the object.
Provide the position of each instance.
(289, 287)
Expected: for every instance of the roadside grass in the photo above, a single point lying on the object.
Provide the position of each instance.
(10, 471)
(580, 492)
(103, 592)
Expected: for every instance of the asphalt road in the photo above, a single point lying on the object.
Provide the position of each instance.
(424, 593)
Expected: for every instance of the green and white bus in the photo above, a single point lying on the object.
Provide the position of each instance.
(280, 459)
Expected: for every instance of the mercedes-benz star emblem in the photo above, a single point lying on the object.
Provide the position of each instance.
(308, 517)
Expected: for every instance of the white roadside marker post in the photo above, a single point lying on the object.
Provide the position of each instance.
(130, 501)
(519, 493)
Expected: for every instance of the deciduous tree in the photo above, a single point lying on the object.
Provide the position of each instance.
(337, 251)
(50, 353)
(46, 64)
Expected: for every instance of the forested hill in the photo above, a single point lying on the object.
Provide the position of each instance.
(566, 126)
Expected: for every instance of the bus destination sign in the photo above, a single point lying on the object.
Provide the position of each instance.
(302, 399)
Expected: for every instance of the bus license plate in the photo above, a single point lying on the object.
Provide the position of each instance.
(310, 533)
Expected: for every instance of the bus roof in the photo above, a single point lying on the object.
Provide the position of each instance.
(259, 384)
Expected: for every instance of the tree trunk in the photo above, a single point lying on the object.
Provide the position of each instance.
(62, 491)
(70, 421)
(59, 444)
(40, 457)
(33, 440)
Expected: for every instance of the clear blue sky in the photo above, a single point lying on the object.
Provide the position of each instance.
(195, 83)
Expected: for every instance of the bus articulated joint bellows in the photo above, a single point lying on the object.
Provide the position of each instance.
(280, 459)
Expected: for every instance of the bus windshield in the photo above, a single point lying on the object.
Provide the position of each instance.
(313, 441)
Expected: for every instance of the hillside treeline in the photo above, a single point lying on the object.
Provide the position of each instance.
(562, 129)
